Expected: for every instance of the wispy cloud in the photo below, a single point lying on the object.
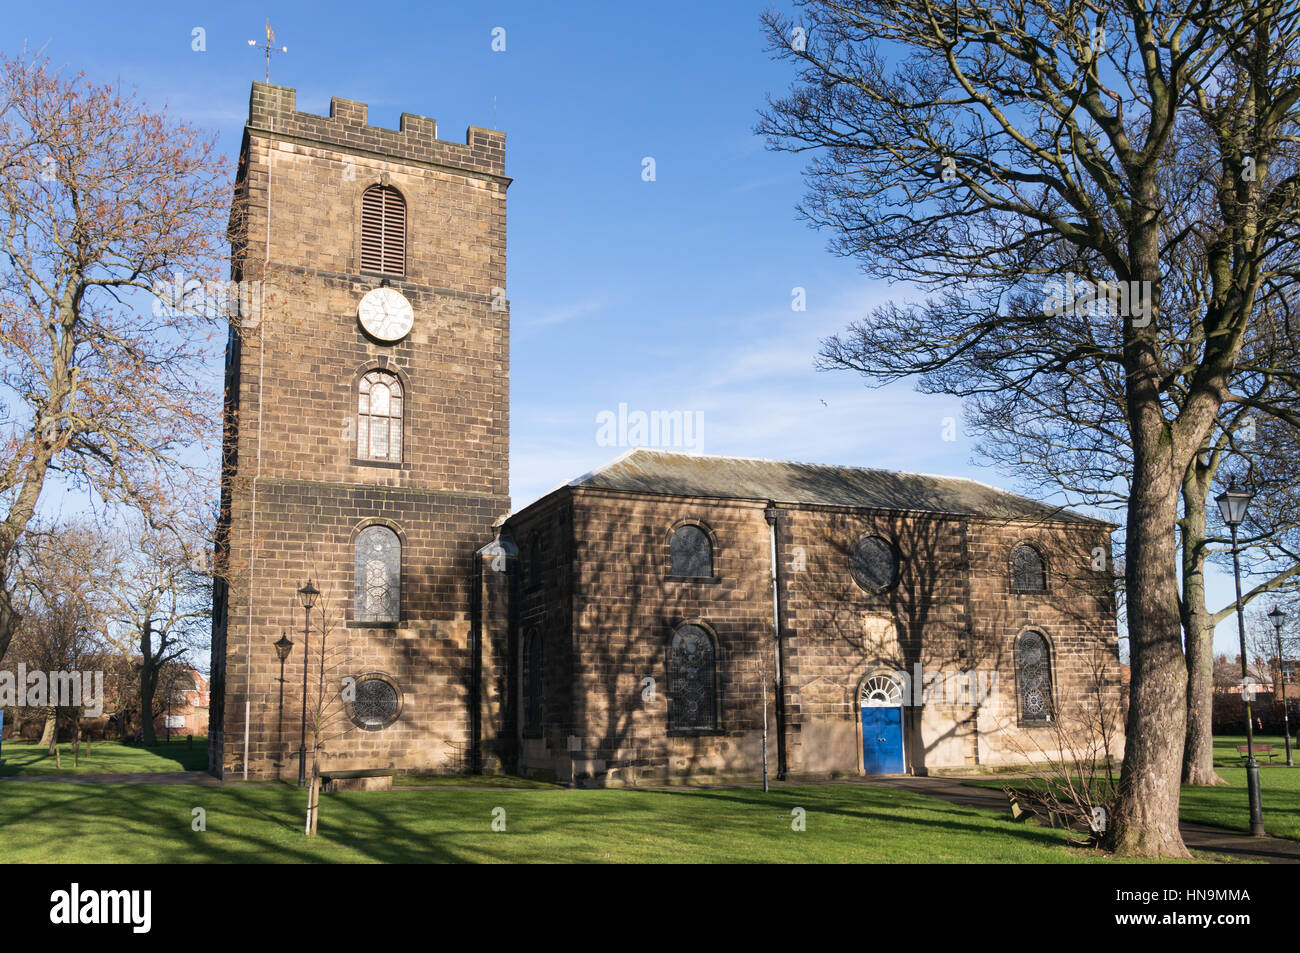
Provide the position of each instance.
(561, 314)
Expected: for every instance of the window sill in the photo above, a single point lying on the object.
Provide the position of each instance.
(695, 732)
(381, 275)
(702, 580)
(353, 624)
(384, 464)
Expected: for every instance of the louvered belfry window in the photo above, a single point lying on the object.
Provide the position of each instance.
(383, 231)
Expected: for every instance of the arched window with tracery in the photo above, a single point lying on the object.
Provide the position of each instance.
(377, 581)
(1034, 678)
(692, 680)
(379, 417)
(690, 552)
(1029, 572)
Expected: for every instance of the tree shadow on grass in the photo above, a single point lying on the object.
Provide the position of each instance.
(880, 808)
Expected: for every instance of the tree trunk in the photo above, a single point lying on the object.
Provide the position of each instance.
(148, 735)
(8, 619)
(148, 683)
(50, 733)
(1198, 636)
(1145, 822)
(313, 795)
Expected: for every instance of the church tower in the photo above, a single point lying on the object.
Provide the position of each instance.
(366, 437)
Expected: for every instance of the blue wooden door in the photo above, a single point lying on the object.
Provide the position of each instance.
(882, 740)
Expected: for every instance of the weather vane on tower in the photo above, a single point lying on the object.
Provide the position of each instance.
(269, 47)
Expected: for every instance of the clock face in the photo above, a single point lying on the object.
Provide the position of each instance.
(385, 314)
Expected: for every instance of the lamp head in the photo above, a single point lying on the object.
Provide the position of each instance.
(1233, 503)
(307, 595)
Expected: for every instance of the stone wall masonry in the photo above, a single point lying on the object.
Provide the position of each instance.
(949, 623)
(295, 492)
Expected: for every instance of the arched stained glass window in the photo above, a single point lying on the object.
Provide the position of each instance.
(1034, 678)
(379, 417)
(692, 680)
(690, 552)
(377, 583)
(1028, 570)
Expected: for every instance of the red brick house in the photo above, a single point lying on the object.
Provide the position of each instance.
(185, 695)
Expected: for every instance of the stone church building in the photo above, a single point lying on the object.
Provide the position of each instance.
(668, 616)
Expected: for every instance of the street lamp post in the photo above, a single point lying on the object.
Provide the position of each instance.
(1232, 504)
(307, 596)
(282, 649)
(1277, 617)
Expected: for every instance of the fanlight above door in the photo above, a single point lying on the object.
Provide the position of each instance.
(881, 691)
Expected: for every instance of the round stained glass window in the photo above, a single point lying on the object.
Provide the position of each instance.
(376, 702)
(874, 563)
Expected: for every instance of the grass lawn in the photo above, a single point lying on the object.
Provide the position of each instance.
(1228, 806)
(53, 823)
(26, 757)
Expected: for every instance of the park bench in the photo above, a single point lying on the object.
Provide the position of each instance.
(1259, 749)
(330, 779)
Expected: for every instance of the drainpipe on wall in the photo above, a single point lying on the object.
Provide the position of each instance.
(770, 515)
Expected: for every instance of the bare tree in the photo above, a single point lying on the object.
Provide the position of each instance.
(998, 144)
(61, 577)
(102, 200)
(1227, 673)
(327, 704)
(1079, 784)
(1064, 433)
(161, 608)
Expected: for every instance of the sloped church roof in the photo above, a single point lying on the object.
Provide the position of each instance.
(744, 478)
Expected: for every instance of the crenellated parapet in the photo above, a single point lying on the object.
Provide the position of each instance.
(273, 111)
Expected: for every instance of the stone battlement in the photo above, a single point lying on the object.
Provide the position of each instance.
(273, 110)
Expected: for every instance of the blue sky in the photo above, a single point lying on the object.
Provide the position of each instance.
(672, 294)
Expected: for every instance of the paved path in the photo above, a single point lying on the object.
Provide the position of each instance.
(141, 777)
(1274, 850)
